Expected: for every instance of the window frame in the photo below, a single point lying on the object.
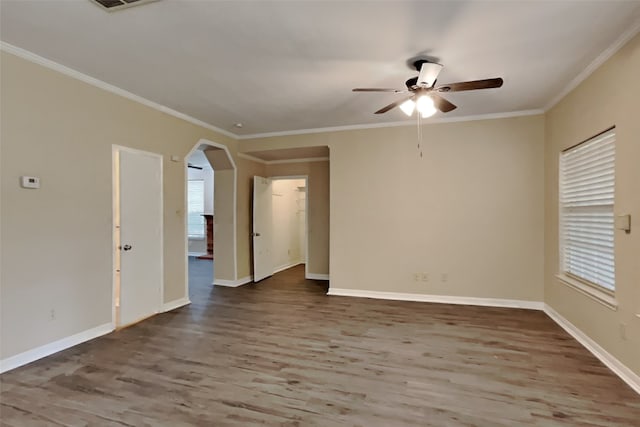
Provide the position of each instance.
(598, 292)
(200, 236)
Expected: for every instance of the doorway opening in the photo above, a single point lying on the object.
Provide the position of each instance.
(289, 208)
(200, 218)
(210, 217)
(280, 224)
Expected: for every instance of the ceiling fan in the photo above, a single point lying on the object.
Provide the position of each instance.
(424, 92)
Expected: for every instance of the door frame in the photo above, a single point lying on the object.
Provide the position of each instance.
(115, 227)
(185, 204)
(306, 215)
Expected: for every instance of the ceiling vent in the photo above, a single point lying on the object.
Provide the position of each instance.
(112, 5)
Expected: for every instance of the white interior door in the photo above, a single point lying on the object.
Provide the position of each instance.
(140, 220)
(262, 228)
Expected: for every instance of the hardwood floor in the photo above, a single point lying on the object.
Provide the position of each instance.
(282, 353)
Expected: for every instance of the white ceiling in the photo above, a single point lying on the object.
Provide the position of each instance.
(290, 65)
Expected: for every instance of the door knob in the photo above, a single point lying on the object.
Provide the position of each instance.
(126, 247)
(256, 234)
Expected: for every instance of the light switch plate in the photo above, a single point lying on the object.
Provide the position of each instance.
(30, 182)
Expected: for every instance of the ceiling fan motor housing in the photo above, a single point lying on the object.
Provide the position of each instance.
(428, 72)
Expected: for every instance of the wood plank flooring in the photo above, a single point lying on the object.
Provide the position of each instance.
(281, 353)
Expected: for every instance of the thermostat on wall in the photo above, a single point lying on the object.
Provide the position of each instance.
(30, 182)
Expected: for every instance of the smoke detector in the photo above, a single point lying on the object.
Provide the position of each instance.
(111, 5)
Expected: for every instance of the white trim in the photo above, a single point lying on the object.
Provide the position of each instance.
(302, 160)
(115, 236)
(277, 162)
(314, 276)
(592, 292)
(177, 303)
(305, 177)
(442, 299)
(233, 283)
(407, 122)
(286, 266)
(32, 57)
(626, 374)
(252, 158)
(596, 63)
(610, 361)
(48, 349)
(235, 211)
(37, 59)
(115, 149)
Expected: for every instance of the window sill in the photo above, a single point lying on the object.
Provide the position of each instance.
(196, 237)
(597, 295)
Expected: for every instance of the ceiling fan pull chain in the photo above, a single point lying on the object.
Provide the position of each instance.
(419, 134)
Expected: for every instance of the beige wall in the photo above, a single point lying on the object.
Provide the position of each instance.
(56, 241)
(223, 230)
(480, 207)
(318, 194)
(472, 208)
(610, 96)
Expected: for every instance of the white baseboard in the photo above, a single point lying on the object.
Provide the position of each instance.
(618, 368)
(314, 276)
(626, 374)
(54, 347)
(233, 283)
(172, 305)
(286, 266)
(443, 299)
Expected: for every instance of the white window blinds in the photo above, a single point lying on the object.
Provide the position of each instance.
(195, 204)
(587, 180)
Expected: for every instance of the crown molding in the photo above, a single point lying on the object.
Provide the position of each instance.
(438, 120)
(32, 57)
(252, 158)
(52, 65)
(276, 162)
(630, 33)
(627, 35)
(302, 160)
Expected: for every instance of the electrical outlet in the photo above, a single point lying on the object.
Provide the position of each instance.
(444, 277)
(425, 277)
(52, 314)
(416, 277)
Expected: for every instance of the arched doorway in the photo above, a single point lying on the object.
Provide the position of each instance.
(224, 211)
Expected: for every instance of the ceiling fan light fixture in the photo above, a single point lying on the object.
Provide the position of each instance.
(408, 106)
(425, 106)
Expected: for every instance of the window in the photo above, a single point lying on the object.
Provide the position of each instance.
(587, 181)
(195, 203)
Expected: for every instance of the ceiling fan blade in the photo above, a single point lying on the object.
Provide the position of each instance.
(393, 105)
(472, 85)
(373, 89)
(442, 104)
